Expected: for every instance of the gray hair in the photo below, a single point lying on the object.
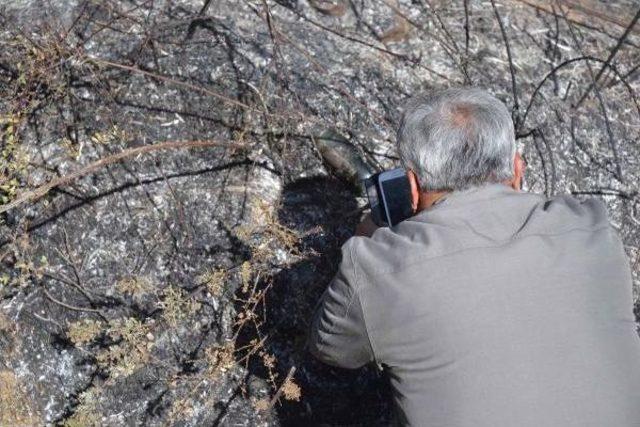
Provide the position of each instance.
(457, 138)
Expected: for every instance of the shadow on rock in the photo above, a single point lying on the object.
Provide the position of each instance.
(322, 210)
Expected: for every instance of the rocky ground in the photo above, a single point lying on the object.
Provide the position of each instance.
(175, 286)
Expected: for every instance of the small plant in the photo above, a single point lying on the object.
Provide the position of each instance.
(84, 331)
(261, 405)
(27, 267)
(268, 240)
(86, 413)
(214, 280)
(219, 360)
(131, 352)
(291, 390)
(130, 330)
(122, 361)
(180, 409)
(137, 287)
(111, 135)
(246, 273)
(13, 159)
(41, 80)
(285, 236)
(177, 306)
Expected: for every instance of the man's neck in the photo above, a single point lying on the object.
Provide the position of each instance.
(427, 199)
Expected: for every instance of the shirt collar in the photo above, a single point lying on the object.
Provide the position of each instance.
(487, 191)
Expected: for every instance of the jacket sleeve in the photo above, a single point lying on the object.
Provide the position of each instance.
(338, 335)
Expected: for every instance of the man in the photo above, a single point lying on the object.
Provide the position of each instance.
(490, 306)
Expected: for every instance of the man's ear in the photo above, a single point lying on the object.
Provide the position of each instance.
(518, 172)
(415, 189)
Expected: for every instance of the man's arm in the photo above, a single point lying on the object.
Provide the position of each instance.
(338, 334)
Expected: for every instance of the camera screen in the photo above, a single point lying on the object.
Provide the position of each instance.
(397, 198)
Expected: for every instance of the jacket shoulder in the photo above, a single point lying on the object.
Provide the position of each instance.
(575, 213)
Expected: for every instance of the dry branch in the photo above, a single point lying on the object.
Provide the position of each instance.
(44, 189)
(613, 53)
(512, 70)
(581, 13)
(201, 89)
(68, 306)
(288, 378)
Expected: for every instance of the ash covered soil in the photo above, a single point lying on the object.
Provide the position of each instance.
(175, 286)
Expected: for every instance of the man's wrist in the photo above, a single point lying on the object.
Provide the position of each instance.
(366, 227)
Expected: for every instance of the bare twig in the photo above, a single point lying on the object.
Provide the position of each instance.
(609, 192)
(201, 89)
(204, 8)
(612, 54)
(552, 164)
(403, 57)
(543, 163)
(466, 30)
(288, 378)
(445, 47)
(603, 107)
(580, 14)
(564, 64)
(512, 71)
(44, 189)
(68, 306)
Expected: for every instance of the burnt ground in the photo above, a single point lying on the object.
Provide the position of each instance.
(175, 287)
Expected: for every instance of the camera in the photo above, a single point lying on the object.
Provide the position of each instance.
(389, 194)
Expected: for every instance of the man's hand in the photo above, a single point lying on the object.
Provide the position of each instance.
(366, 226)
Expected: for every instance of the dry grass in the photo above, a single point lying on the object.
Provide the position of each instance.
(15, 403)
(4, 323)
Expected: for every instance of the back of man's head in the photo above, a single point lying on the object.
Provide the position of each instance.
(457, 138)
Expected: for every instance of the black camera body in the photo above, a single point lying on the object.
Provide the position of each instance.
(389, 194)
